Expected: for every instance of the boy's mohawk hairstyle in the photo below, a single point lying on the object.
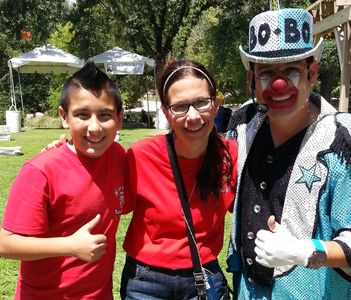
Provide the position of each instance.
(92, 79)
(90, 76)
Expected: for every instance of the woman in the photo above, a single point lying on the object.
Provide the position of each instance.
(158, 263)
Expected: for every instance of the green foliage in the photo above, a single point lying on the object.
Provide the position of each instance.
(329, 70)
(63, 36)
(40, 18)
(133, 87)
(95, 29)
(329, 60)
(226, 63)
(54, 101)
(215, 42)
(137, 119)
(35, 90)
(296, 3)
(108, 29)
(133, 119)
(6, 51)
(147, 27)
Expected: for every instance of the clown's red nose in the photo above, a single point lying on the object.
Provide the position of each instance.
(279, 84)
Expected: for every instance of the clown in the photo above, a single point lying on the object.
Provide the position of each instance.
(291, 230)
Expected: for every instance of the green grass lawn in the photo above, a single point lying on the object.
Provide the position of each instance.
(32, 141)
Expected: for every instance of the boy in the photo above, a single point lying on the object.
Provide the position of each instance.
(65, 204)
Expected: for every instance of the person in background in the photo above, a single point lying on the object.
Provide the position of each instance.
(223, 115)
(64, 206)
(220, 113)
(158, 263)
(291, 231)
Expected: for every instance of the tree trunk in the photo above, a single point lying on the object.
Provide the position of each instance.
(326, 84)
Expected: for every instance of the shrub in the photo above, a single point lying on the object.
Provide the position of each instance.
(43, 122)
(54, 101)
(137, 119)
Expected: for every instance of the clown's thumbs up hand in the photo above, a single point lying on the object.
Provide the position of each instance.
(277, 247)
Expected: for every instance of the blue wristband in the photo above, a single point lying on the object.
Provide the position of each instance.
(318, 245)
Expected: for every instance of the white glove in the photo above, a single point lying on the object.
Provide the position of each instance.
(279, 248)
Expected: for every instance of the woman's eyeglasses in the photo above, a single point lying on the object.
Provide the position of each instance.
(201, 105)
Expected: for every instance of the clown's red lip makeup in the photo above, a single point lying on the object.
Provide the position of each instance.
(280, 100)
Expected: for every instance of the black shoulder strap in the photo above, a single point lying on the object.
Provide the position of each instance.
(198, 274)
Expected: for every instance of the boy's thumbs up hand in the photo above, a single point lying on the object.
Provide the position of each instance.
(91, 224)
(86, 246)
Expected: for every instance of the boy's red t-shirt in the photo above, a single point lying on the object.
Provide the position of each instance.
(55, 194)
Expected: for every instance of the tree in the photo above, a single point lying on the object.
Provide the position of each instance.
(210, 44)
(150, 27)
(32, 18)
(96, 31)
(215, 42)
(61, 38)
(133, 87)
(329, 69)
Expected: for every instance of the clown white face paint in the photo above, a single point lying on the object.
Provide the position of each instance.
(291, 74)
(294, 76)
(278, 85)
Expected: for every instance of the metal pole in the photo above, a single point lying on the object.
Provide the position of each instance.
(12, 90)
(20, 87)
(148, 109)
(345, 71)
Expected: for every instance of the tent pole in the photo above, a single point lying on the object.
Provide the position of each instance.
(148, 109)
(155, 89)
(12, 89)
(20, 87)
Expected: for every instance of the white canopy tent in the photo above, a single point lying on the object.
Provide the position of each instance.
(45, 59)
(118, 61)
(122, 62)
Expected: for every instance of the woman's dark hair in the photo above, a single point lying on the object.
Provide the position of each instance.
(178, 70)
(92, 79)
(216, 170)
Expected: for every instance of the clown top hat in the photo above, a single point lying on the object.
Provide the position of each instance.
(281, 36)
